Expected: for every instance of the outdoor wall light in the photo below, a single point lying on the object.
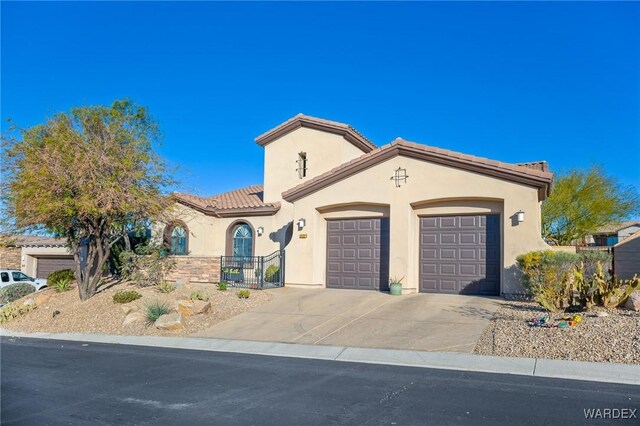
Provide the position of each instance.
(520, 216)
(301, 223)
(260, 231)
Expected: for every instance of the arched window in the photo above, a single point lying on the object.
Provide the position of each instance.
(242, 241)
(176, 239)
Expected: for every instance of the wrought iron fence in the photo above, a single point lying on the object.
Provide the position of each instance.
(255, 272)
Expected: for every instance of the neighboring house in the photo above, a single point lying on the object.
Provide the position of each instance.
(350, 214)
(612, 234)
(626, 257)
(36, 256)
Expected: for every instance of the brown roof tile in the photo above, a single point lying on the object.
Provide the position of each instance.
(301, 120)
(523, 174)
(240, 202)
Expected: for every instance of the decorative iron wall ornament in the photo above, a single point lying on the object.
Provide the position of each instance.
(400, 176)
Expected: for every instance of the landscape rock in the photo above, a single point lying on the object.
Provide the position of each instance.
(185, 307)
(171, 321)
(201, 307)
(29, 302)
(42, 298)
(602, 314)
(633, 302)
(133, 317)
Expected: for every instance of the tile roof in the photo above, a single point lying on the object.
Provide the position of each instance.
(244, 201)
(613, 228)
(301, 120)
(520, 173)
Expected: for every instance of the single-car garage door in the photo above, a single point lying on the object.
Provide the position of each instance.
(460, 254)
(358, 253)
(47, 265)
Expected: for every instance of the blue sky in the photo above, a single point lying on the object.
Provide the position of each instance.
(509, 81)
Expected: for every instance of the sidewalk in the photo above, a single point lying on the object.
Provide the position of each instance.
(599, 372)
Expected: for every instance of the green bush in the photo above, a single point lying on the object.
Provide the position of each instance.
(272, 274)
(166, 287)
(243, 294)
(61, 284)
(61, 274)
(222, 286)
(14, 292)
(155, 310)
(547, 277)
(198, 295)
(126, 296)
(11, 311)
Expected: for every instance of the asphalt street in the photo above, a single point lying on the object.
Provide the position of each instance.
(48, 382)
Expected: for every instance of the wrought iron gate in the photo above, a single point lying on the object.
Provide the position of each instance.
(255, 272)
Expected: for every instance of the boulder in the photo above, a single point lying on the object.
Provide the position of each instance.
(134, 317)
(185, 307)
(29, 302)
(633, 302)
(201, 307)
(170, 322)
(42, 298)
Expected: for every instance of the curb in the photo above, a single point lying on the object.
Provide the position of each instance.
(549, 368)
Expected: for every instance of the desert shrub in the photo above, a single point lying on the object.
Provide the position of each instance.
(13, 310)
(613, 292)
(272, 274)
(591, 258)
(61, 274)
(61, 284)
(222, 286)
(14, 292)
(126, 296)
(557, 280)
(198, 295)
(166, 287)
(155, 310)
(243, 294)
(547, 276)
(147, 266)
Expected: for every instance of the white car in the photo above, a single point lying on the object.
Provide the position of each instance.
(11, 276)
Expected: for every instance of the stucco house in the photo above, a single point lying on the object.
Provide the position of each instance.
(613, 233)
(350, 214)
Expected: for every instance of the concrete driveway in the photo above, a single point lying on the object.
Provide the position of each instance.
(368, 319)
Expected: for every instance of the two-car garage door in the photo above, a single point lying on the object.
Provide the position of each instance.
(457, 254)
(47, 265)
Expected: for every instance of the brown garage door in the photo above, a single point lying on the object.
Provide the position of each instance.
(358, 254)
(460, 254)
(47, 265)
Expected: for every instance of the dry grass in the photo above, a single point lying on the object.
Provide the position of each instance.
(101, 315)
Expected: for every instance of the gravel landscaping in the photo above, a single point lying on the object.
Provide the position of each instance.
(611, 338)
(100, 314)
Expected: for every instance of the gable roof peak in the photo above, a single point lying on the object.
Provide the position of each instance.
(400, 147)
(350, 134)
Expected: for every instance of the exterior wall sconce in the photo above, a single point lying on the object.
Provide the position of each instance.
(260, 231)
(301, 223)
(520, 216)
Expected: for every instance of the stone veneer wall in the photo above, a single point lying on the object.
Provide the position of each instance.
(10, 257)
(196, 269)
